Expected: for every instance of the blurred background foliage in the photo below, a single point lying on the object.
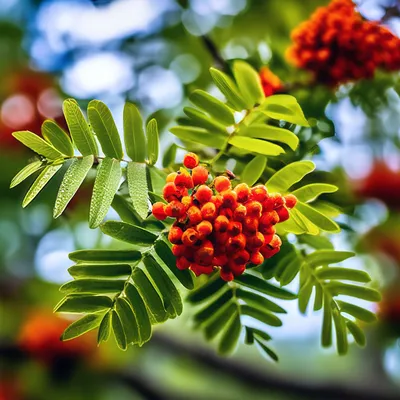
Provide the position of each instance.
(154, 53)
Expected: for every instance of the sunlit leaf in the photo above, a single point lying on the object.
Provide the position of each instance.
(199, 135)
(284, 107)
(135, 140)
(138, 190)
(312, 191)
(249, 83)
(26, 172)
(81, 326)
(256, 145)
(84, 304)
(92, 286)
(57, 137)
(253, 170)
(152, 141)
(128, 233)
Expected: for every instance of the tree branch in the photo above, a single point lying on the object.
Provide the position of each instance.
(219, 61)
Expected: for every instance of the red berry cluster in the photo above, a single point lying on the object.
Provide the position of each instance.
(337, 45)
(270, 82)
(217, 226)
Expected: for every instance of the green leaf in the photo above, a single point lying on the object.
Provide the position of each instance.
(360, 292)
(84, 304)
(357, 312)
(199, 135)
(105, 186)
(341, 333)
(261, 334)
(169, 155)
(305, 294)
(325, 257)
(256, 145)
(261, 315)
(79, 129)
(198, 118)
(249, 338)
(71, 182)
(214, 107)
(212, 286)
(138, 190)
(312, 191)
(284, 107)
(253, 170)
(290, 272)
(256, 300)
(104, 328)
(92, 286)
(37, 144)
(100, 270)
(317, 218)
(26, 172)
(229, 89)
(118, 329)
(301, 220)
(231, 336)
(152, 141)
(185, 277)
(265, 287)
(156, 179)
(128, 320)
(249, 83)
(57, 137)
(342, 274)
(81, 326)
(267, 350)
(317, 242)
(273, 133)
(326, 335)
(319, 297)
(128, 233)
(125, 210)
(286, 177)
(103, 125)
(139, 309)
(356, 332)
(208, 311)
(128, 256)
(150, 296)
(171, 297)
(135, 140)
(40, 182)
(220, 319)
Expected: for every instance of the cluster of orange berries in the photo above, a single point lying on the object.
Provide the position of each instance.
(217, 226)
(270, 82)
(337, 45)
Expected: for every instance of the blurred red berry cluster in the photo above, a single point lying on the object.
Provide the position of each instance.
(270, 82)
(337, 45)
(217, 226)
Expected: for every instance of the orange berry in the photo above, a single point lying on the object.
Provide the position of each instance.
(182, 263)
(269, 218)
(183, 180)
(158, 211)
(175, 209)
(171, 177)
(201, 269)
(236, 243)
(220, 261)
(187, 201)
(276, 242)
(241, 257)
(243, 192)
(227, 275)
(222, 183)
(237, 269)
(221, 238)
(234, 228)
(255, 241)
(209, 211)
(256, 258)
(240, 212)
(203, 194)
(277, 199)
(267, 252)
(268, 204)
(204, 228)
(229, 199)
(175, 234)
(227, 212)
(170, 192)
(221, 223)
(199, 175)
(250, 225)
(268, 237)
(254, 209)
(205, 253)
(194, 215)
(178, 250)
(259, 193)
(190, 237)
(190, 160)
(290, 200)
(283, 213)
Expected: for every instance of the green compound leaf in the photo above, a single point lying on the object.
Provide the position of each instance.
(357, 312)
(81, 326)
(103, 125)
(259, 301)
(361, 292)
(128, 320)
(212, 106)
(211, 287)
(338, 273)
(326, 334)
(356, 332)
(106, 270)
(229, 89)
(152, 141)
(253, 170)
(212, 308)
(26, 172)
(261, 315)
(96, 286)
(284, 107)
(104, 328)
(231, 336)
(80, 130)
(256, 145)
(169, 155)
(270, 353)
(40, 182)
(198, 118)
(128, 256)
(282, 180)
(325, 257)
(138, 189)
(220, 320)
(273, 133)
(317, 218)
(118, 330)
(311, 192)
(199, 135)
(71, 182)
(57, 137)
(341, 333)
(84, 304)
(249, 83)
(37, 144)
(135, 140)
(105, 186)
(128, 233)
